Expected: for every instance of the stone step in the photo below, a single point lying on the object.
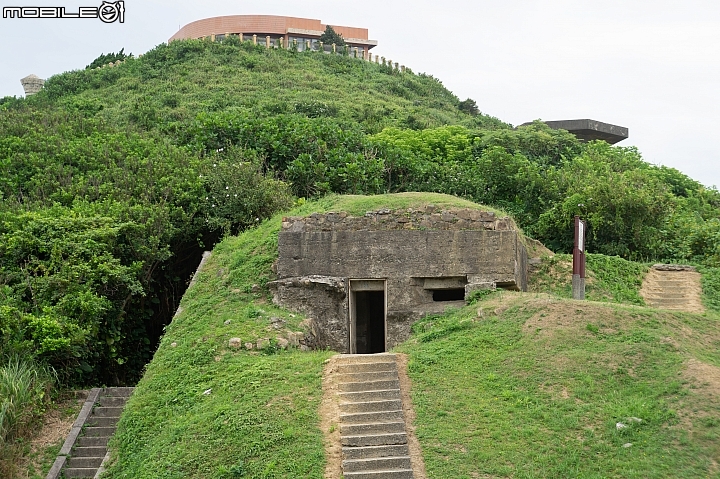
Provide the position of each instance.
(370, 406)
(367, 367)
(389, 474)
(84, 462)
(365, 358)
(89, 451)
(104, 411)
(101, 431)
(369, 386)
(71, 472)
(672, 283)
(367, 417)
(372, 428)
(367, 452)
(362, 396)
(117, 392)
(93, 420)
(85, 441)
(368, 376)
(376, 464)
(667, 296)
(114, 401)
(374, 440)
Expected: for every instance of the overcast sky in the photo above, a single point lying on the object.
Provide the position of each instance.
(651, 66)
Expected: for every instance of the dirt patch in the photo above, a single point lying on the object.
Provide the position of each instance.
(536, 249)
(416, 459)
(56, 425)
(330, 420)
(706, 375)
(555, 315)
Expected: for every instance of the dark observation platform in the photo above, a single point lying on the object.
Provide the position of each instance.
(588, 130)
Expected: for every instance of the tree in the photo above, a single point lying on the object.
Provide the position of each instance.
(106, 58)
(469, 106)
(331, 36)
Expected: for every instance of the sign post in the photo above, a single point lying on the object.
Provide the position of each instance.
(578, 278)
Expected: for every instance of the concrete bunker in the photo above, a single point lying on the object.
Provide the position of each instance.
(364, 280)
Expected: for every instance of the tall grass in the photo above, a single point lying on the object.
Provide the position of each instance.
(24, 395)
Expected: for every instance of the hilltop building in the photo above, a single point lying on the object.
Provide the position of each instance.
(32, 84)
(588, 130)
(303, 32)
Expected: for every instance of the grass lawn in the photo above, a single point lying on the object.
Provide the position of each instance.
(528, 386)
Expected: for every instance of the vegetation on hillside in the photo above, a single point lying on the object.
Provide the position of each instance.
(523, 386)
(514, 385)
(113, 181)
(24, 395)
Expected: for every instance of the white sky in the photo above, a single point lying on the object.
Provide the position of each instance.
(651, 66)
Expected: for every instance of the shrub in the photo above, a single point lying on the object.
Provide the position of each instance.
(24, 395)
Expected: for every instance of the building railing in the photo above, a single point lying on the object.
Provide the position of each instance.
(302, 44)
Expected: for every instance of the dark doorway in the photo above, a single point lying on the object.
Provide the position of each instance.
(369, 322)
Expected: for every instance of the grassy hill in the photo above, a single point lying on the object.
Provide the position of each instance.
(173, 83)
(516, 385)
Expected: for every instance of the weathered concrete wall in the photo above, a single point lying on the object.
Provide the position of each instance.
(417, 252)
(489, 256)
(428, 218)
(324, 301)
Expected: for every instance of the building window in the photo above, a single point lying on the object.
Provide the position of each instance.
(457, 294)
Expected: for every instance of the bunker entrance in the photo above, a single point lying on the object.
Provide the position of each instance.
(367, 313)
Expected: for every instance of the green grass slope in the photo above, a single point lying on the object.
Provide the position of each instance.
(529, 386)
(516, 385)
(173, 83)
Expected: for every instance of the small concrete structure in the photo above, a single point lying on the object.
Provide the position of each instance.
(588, 130)
(364, 280)
(32, 84)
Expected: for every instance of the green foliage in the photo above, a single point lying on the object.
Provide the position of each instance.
(610, 278)
(329, 37)
(24, 396)
(106, 58)
(95, 228)
(469, 106)
(711, 288)
(478, 295)
(237, 194)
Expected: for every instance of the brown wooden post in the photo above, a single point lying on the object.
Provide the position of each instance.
(254, 39)
(240, 36)
(267, 41)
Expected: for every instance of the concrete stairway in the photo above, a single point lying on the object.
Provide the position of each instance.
(673, 287)
(372, 425)
(84, 454)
